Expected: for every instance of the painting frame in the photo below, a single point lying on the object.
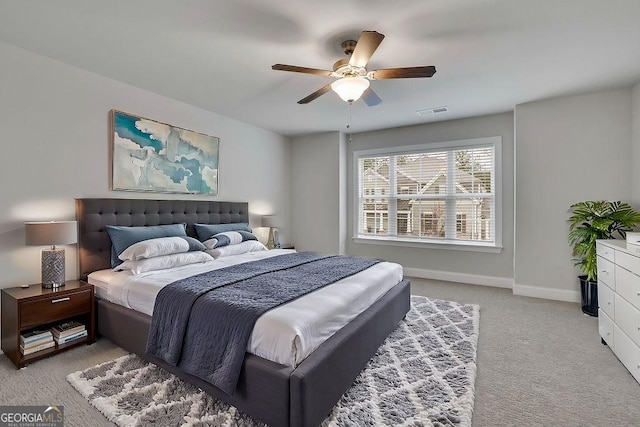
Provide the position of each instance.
(152, 156)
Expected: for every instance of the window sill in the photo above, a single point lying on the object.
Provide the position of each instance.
(445, 245)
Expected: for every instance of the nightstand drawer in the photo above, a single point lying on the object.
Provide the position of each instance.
(53, 308)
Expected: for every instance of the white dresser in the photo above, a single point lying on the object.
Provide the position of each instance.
(619, 300)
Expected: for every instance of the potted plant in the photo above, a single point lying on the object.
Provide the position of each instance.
(590, 221)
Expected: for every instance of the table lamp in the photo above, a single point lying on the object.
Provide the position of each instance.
(51, 233)
(271, 221)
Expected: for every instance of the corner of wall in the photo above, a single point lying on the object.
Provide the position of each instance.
(635, 145)
(342, 203)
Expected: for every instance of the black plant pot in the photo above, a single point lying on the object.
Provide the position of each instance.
(589, 294)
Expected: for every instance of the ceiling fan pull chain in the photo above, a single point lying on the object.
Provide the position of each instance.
(349, 121)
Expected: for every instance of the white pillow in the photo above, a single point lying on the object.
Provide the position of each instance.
(240, 248)
(164, 261)
(160, 246)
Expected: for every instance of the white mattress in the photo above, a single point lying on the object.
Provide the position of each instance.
(287, 334)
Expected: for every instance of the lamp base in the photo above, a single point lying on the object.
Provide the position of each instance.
(273, 241)
(53, 285)
(52, 268)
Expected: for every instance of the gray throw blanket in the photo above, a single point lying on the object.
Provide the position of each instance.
(203, 323)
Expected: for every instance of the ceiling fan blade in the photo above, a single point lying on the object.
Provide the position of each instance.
(370, 97)
(315, 94)
(295, 69)
(403, 73)
(366, 45)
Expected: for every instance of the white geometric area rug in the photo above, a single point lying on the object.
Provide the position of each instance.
(422, 375)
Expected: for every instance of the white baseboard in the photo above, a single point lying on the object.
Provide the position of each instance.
(449, 276)
(498, 282)
(547, 293)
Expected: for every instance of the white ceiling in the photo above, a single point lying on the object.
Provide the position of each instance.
(490, 54)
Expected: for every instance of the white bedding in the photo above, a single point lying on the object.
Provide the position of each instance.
(287, 334)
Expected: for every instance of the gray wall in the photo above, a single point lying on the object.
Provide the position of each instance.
(318, 175)
(55, 140)
(567, 150)
(464, 263)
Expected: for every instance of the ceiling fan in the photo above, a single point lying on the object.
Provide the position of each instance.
(353, 77)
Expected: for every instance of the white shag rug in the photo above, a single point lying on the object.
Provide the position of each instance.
(422, 375)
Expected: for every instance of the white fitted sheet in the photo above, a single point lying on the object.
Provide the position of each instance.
(288, 333)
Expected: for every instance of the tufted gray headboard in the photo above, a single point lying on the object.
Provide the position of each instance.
(94, 245)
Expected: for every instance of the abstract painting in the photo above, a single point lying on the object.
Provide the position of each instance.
(152, 156)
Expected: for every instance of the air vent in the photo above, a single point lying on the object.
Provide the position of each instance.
(432, 111)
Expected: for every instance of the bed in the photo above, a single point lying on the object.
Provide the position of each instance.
(271, 392)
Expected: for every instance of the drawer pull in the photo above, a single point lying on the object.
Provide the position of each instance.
(53, 301)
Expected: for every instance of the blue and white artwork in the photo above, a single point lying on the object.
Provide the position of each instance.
(153, 156)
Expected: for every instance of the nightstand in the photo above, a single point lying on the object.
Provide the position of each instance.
(26, 309)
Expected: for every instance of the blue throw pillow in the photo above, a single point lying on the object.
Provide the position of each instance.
(206, 231)
(122, 237)
(230, 238)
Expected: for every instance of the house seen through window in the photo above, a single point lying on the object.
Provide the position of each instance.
(422, 193)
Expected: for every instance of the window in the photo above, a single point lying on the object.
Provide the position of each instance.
(435, 193)
(461, 223)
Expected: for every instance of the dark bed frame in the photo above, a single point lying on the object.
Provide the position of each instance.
(269, 392)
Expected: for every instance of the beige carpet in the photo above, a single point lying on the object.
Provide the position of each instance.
(540, 363)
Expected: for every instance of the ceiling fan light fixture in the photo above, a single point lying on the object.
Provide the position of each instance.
(350, 88)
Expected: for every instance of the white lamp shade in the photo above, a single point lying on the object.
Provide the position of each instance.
(350, 88)
(269, 221)
(51, 233)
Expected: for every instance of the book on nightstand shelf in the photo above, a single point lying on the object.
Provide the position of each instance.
(66, 329)
(34, 341)
(38, 346)
(69, 338)
(34, 336)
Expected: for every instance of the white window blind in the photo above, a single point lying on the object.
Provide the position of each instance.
(435, 193)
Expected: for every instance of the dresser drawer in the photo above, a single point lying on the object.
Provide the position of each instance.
(628, 286)
(605, 328)
(633, 249)
(53, 308)
(628, 262)
(605, 251)
(627, 352)
(606, 300)
(607, 272)
(628, 319)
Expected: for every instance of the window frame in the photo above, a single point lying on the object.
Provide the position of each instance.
(437, 243)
